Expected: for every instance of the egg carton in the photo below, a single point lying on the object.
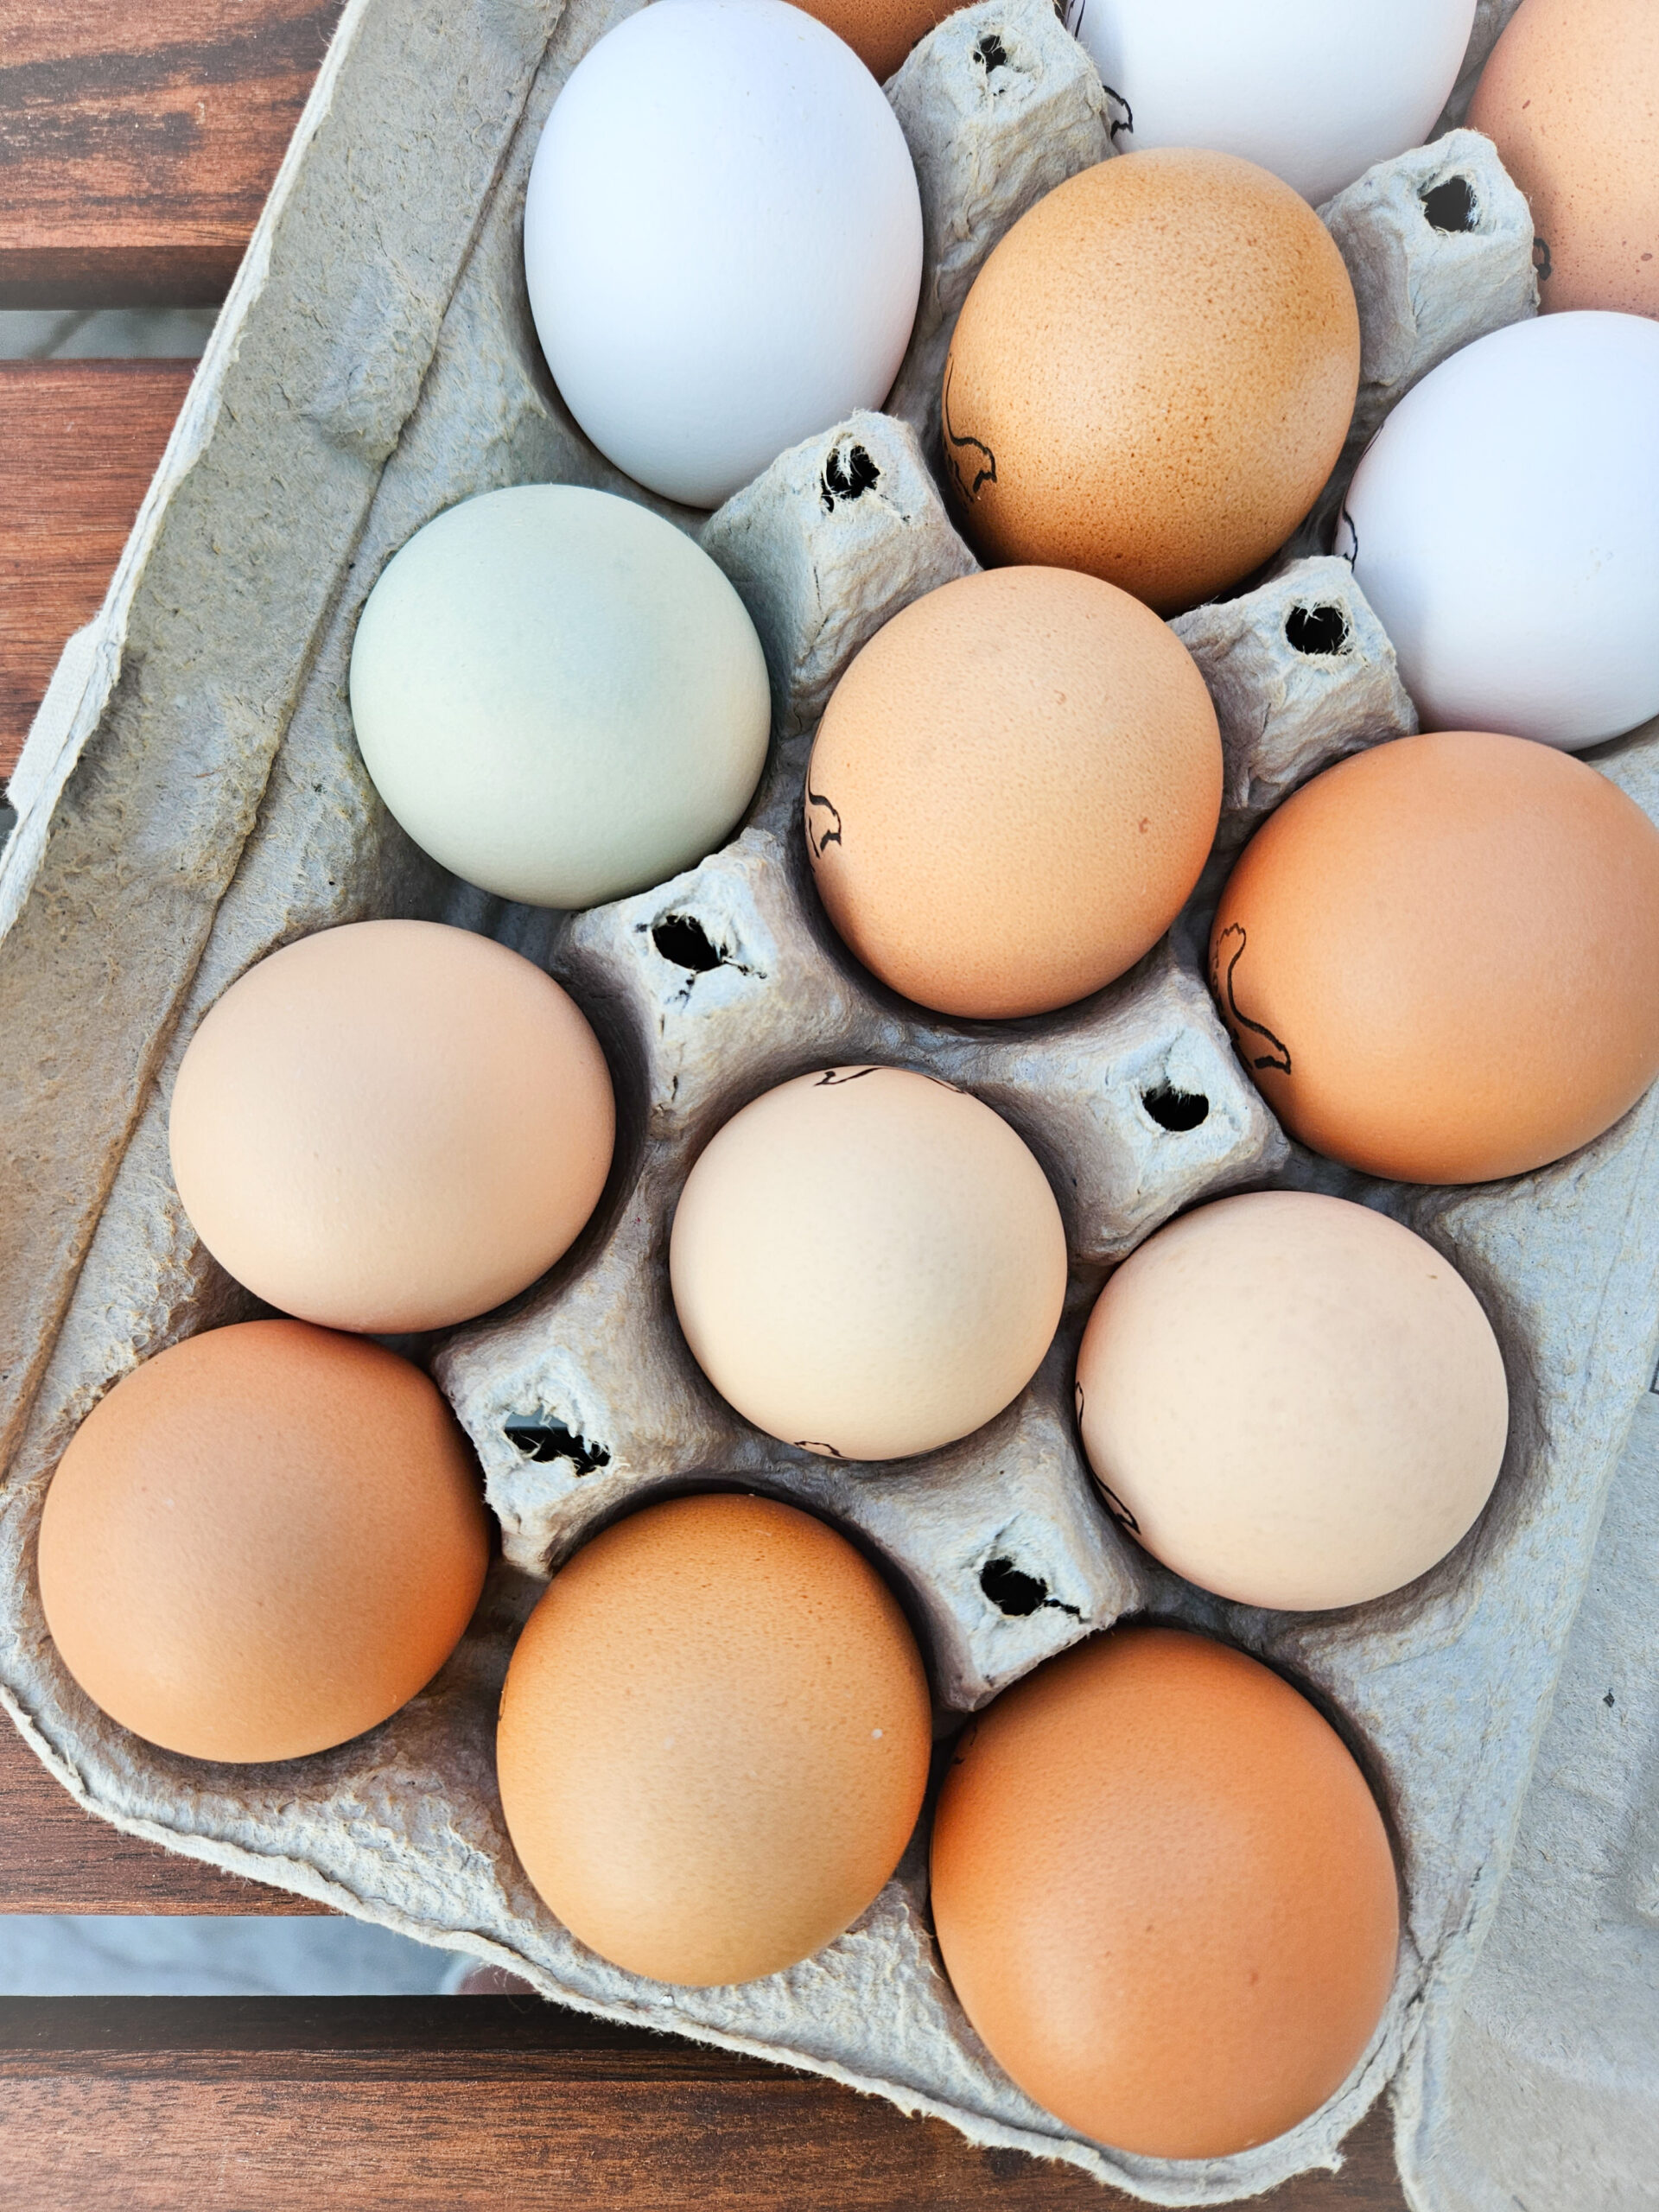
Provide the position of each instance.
(192, 798)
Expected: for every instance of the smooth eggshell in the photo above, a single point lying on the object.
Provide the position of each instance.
(1165, 1895)
(559, 695)
(1522, 594)
(714, 1740)
(868, 1262)
(391, 1126)
(1314, 90)
(1152, 377)
(881, 32)
(722, 241)
(1571, 98)
(1293, 1400)
(263, 1542)
(1440, 958)
(1013, 791)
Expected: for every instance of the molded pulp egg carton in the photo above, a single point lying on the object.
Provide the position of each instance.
(192, 797)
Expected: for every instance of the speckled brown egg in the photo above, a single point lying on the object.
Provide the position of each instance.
(1440, 958)
(1165, 1895)
(880, 32)
(1571, 98)
(714, 1740)
(1013, 791)
(261, 1542)
(1152, 377)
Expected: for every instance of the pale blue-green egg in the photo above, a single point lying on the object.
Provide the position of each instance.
(559, 695)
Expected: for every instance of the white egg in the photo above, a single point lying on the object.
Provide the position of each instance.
(1314, 90)
(1505, 525)
(559, 695)
(722, 241)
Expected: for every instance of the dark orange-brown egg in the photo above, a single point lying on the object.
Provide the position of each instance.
(1440, 958)
(1165, 1895)
(880, 32)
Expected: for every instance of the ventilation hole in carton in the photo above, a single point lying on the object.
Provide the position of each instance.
(1176, 1111)
(847, 475)
(544, 1442)
(1316, 631)
(684, 943)
(1451, 206)
(1011, 1590)
(991, 54)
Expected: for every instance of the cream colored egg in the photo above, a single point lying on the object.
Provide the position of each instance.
(391, 1126)
(1293, 1400)
(868, 1262)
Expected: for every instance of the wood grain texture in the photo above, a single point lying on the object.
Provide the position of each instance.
(478, 2104)
(137, 142)
(54, 1858)
(79, 444)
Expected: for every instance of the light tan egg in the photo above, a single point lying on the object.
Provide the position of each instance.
(714, 1740)
(1152, 377)
(391, 1126)
(1013, 791)
(1571, 99)
(868, 1262)
(1292, 1401)
(879, 32)
(1165, 1895)
(1440, 958)
(263, 1542)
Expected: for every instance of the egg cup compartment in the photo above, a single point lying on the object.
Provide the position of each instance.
(193, 798)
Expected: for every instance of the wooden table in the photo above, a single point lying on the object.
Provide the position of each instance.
(136, 144)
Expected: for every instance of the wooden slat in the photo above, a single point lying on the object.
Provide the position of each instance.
(138, 142)
(78, 443)
(477, 2104)
(54, 1858)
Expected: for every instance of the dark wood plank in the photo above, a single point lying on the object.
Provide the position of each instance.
(54, 1858)
(476, 2104)
(137, 142)
(79, 444)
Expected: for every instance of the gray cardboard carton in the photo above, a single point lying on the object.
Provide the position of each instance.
(192, 797)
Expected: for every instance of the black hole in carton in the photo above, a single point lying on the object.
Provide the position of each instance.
(548, 1440)
(1176, 1111)
(1011, 1590)
(1451, 206)
(684, 943)
(990, 53)
(847, 475)
(1316, 630)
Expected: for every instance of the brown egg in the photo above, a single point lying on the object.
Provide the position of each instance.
(1152, 376)
(1571, 98)
(391, 1126)
(1013, 791)
(263, 1542)
(1440, 958)
(714, 1740)
(879, 32)
(1165, 1895)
